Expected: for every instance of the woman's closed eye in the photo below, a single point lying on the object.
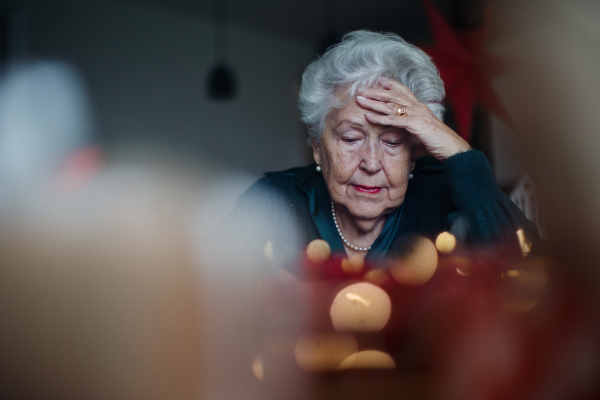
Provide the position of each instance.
(394, 139)
(351, 138)
(393, 143)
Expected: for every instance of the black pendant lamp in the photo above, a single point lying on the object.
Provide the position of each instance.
(221, 83)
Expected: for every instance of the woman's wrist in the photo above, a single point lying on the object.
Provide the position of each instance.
(460, 146)
(471, 179)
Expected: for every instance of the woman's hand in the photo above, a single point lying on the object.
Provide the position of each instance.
(433, 136)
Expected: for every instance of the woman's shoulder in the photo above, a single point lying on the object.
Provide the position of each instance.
(286, 183)
(296, 174)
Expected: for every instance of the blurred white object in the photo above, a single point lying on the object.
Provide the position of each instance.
(44, 117)
(525, 197)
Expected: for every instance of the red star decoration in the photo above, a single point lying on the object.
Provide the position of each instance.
(466, 68)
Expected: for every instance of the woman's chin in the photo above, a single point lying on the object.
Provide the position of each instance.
(367, 211)
(367, 207)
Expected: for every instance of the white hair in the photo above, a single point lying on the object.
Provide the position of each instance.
(358, 61)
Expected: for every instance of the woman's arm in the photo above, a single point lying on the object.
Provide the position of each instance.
(485, 215)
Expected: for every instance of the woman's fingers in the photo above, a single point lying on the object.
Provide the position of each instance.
(392, 84)
(377, 105)
(390, 90)
(386, 96)
(391, 120)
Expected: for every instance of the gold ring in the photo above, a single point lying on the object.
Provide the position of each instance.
(401, 111)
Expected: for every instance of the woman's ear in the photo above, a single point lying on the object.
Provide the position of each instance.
(316, 150)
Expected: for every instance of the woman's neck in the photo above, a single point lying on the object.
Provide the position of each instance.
(359, 232)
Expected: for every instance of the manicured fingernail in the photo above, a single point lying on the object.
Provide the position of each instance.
(361, 97)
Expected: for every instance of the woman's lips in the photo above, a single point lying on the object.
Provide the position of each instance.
(367, 189)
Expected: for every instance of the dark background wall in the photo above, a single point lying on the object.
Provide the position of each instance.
(146, 64)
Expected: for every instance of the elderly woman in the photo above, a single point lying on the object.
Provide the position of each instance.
(373, 107)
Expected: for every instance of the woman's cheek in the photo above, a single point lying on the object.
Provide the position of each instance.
(345, 166)
(398, 171)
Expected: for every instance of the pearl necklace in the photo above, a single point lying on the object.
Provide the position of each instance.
(347, 243)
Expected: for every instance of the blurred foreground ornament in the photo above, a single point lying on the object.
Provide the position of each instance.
(418, 266)
(465, 330)
(268, 252)
(324, 352)
(466, 69)
(318, 251)
(368, 359)
(45, 118)
(353, 265)
(80, 167)
(526, 284)
(377, 276)
(464, 267)
(361, 307)
(445, 242)
(524, 242)
(104, 299)
(258, 368)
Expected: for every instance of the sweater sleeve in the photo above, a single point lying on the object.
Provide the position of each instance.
(485, 215)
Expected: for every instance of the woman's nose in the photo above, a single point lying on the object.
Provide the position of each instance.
(371, 158)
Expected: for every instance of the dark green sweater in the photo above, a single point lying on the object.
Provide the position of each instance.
(459, 195)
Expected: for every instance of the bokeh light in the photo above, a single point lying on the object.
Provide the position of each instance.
(361, 307)
(268, 251)
(353, 265)
(524, 242)
(376, 276)
(419, 266)
(464, 267)
(526, 284)
(318, 251)
(445, 242)
(325, 351)
(368, 359)
(258, 368)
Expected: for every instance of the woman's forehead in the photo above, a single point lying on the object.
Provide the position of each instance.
(354, 118)
(351, 113)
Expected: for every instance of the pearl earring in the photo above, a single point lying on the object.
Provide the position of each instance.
(411, 176)
(318, 168)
